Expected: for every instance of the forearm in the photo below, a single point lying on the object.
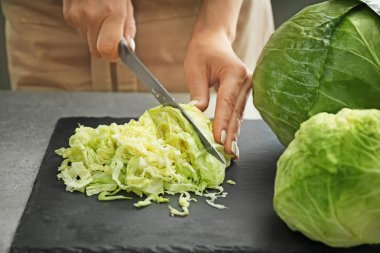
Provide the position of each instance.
(218, 16)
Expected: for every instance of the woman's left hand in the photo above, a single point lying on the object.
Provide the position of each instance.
(211, 62)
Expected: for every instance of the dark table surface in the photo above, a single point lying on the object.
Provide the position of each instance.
(55, 220)
(27, 120)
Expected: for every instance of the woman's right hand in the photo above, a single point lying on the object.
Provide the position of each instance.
(102, 23)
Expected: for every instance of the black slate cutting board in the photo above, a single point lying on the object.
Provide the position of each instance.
(57, 221)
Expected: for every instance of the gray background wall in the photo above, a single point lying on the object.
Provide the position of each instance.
(282, 10)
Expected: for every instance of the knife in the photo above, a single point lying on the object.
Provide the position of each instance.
(129, 58)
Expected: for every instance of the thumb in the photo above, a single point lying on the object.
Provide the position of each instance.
(109, 36)
(197, 84)
(130, 26)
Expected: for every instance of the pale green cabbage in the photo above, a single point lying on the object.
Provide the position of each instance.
(323, 59)
(328, 179)
(156, 155)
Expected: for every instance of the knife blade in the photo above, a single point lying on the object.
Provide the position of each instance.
(129, 58)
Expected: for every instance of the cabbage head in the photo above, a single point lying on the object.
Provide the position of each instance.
(156, 155)
(328, 179)
(325, 58)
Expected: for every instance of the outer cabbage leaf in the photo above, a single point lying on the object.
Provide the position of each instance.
(323, 59)
(327, 182)
(160, 153)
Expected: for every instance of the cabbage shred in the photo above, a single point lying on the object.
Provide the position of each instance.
(158, 154)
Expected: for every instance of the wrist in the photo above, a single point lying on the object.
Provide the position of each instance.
(208, 36)
(218, 18)
(202, 31)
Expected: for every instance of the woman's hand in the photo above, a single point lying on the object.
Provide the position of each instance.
(211, 61)
(102, 23)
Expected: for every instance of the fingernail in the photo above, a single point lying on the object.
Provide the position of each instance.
(238, 132)
(223, 136)
(194, 102)
(235, 149)
(131, 43)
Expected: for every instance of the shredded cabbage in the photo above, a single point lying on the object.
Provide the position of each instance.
(231, 182)
(158, 154)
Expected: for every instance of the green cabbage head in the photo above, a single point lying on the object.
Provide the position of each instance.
(325, 58)
(158, 154)
(328, 179)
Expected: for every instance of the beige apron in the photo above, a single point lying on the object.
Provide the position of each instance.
(44, 53)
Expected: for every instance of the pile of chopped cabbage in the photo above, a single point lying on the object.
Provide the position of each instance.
(158, 154)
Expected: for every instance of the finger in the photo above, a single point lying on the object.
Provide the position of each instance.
(73, 18)
(227, 96)
(93, 22)
(197, 83)
(233, 130)
(92, 38)
(81, 29)
(231, 85)
(130, 26)
(110, 34)
(67, 13)
(216, 87)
